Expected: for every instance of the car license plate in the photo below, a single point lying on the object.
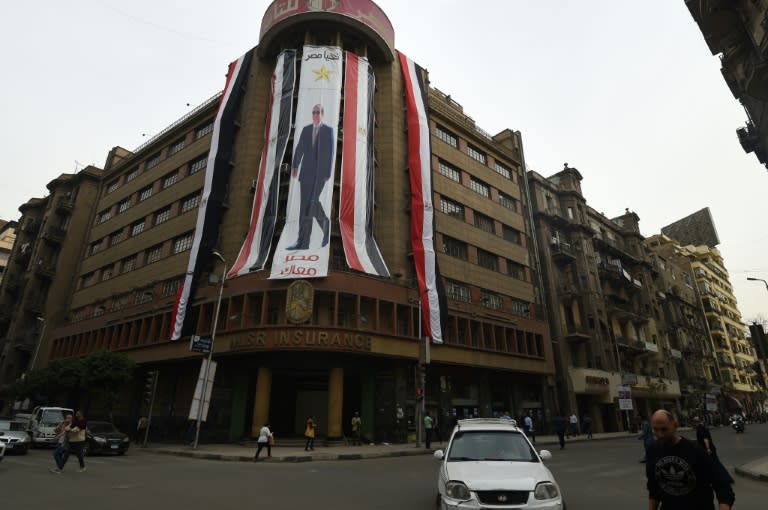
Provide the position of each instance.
(115, 446)
(9, 446)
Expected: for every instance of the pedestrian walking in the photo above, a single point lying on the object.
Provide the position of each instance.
(436, 428)
(586, 426)
(309, 434)
(646, 436)
(76, 440)
(61, 444)
(573, 420)
(428, 424)
(357, 424)
(558, 424)
(265, 440)
(704, 440)
(528, 428)
(680, 475)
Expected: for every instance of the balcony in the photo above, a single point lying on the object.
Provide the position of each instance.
(64, 205)
(54, 234)
(24, 342)
(36, 304)
(562, 253)
(45, 268)
(556, 215)
(30, 227)
(575, 333)
(629, 345)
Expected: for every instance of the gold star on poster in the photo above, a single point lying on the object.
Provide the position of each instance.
(323, 73)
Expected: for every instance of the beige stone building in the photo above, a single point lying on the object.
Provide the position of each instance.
(128, 247)
(7, 237)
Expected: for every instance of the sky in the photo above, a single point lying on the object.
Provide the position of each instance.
(627, 92)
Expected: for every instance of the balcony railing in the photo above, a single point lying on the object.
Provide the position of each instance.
(65, 204)
(54, 234)
(562, 252)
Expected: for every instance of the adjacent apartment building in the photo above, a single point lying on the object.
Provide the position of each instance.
(115, 256)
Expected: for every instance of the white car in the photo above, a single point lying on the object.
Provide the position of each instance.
(489, 463)
(2, 451)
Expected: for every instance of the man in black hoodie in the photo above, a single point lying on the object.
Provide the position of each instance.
(681, 476)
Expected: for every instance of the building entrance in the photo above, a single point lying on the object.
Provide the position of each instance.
(295, 395)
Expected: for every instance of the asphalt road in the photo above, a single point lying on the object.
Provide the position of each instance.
(597, 476)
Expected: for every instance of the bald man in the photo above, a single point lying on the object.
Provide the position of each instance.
(681, 476)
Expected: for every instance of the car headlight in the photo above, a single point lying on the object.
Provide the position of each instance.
(546, 490)
(125, 440)
(100, 440)
(457, 490)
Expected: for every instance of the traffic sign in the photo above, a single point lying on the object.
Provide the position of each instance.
(200, 344)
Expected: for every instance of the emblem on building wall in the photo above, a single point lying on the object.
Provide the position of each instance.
(322, 5)
(299, 302)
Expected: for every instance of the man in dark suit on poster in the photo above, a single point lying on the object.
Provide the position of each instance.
(312, 159)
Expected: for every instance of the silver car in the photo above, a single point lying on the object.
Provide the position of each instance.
(14, 437)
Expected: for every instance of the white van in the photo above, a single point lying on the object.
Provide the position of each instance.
(43, 423)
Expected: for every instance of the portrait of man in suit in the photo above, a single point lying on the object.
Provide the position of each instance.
(311, 164)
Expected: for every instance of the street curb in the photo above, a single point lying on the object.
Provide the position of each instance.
(761, 477)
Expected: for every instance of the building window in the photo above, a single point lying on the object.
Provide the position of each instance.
(447, 137)
(190, 202)
(132, 175)
(98, 311)
(154, 253)
(144, 296)
(171, 287)
(507, 201)
(521, 308)
(116, 237)
(485, 223)
(176, 146)
(112, 186)
(487, 260)
(449, 171)
(137, 228)
(455, 248)
(515, 270)
(103, 216)
(106, 273)
(203, 130)
(480, 187)
(503, 171)
(129, 264)
(162, 215)
(153, 161)
(490, 300)
(457, 291)
(88, 279)
(145, 193)
(452, 208)
(477, 154)
(119, 302)
(198, 164)
(170, 179)
(123, 206)
(96, 247)
(511, 235)
(183, 243)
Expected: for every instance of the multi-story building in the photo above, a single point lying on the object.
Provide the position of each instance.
(7, 237)
(737, 31)
(691, 348)
(337, 344)
(600, 286)
(36, 291)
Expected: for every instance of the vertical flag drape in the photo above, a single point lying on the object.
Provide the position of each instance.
(357, 170)
(216, 177)
(255, 250)
(431, 294)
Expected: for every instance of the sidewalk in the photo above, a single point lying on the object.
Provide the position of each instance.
(757, 469)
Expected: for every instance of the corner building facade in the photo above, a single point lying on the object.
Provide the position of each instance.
(356, 345)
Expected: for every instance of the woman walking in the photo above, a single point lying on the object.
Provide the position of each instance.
(309, 433)
(265, 439)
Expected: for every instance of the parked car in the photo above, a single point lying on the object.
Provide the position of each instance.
(103, 437)
(2, 451)
(14, 436)
(490, 463)
(42, 425)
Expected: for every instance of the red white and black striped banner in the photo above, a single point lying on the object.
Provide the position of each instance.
(255, 250)
(357, 170)
(303, 250)
(422, 211)
(214, 191)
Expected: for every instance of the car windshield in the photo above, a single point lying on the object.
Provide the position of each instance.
(490, 445)
(8, 425)
(101, 427)
(54, 416)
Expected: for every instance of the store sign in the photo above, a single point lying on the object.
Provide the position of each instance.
(711, 402)
(299, 338)
(625, 397)
(596, 381)
(630, 379)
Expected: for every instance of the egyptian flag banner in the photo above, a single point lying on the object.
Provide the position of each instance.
(255, 250)
(357, 171)
(303, 248)
(214, 190)
(431, 294)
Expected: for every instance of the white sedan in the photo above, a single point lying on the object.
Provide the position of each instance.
(489, 463)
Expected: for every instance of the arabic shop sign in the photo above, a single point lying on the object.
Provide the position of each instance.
(299, 339)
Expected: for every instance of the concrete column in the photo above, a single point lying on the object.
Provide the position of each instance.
(261, 402)
(335, 402)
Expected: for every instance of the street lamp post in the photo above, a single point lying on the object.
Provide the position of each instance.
(39, 341)
(421, 379)
(758, 280)
(204, 388)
